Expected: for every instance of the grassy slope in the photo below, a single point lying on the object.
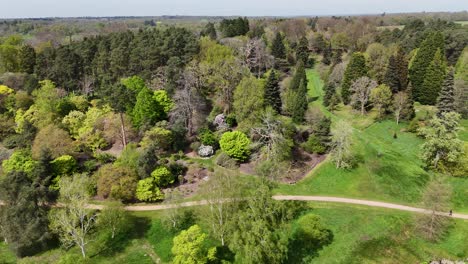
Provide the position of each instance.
(388, 169)
(370, 235)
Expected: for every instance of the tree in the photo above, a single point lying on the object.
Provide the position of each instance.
(261, 228)
(113, 218)
(189, 247)
(296, 95)
(209, 31)
(302, 51)
(256, 57)
(272, 95)
(401, 106)
(162, 177)
(461, 97)
(446, 100)
(330, 91)
(442, 149)
(23, 222)
(341, 144)
(117, 182)
(27, 59)
(422, 61)
(220, 192)
(327, 55)
(433, 80)
(396, 75)
(236, 144)
(436, 198)
(248, 101)
(356, 68)
(377, 60)
(277, 47)
(54, 139)
(147, 110)
(381, 97)
(74, 222)
(361, 89)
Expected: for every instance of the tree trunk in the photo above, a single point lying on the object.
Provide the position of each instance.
(362, 109)
(83, 251)
(122, 128)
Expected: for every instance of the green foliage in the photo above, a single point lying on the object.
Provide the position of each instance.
(356, 68)
(313, 145)
(234, 27)
(208, 138)
(24, 223)
(116, 182)
(162, 177)
(158, 136)
(423, 60)
(20, 161)
(302, 51)
(134, 83)
(442, 149)
(209, 31)
(381, 97)
(277, 47)
(164, 101)
(55, 139)
(446, 100)
(248, 101)
(396, 75)
(435, 75)
(236, 145)
(148, 191)
(272, 95)
(147, 109)
(64, 165)
(225, 161)
(189, 247)
(296, 96)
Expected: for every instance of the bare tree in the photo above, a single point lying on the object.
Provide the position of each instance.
(435, 198)
(400, 102)
(173, 214)
(256, 56)
(361, 89)
(75, 221)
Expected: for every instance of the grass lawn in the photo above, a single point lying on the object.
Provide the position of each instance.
(371, 235)
(388, 168)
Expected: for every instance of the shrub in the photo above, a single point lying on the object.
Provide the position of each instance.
(236, 145)
(55, 139)
(195, 146)
(148, 191)
(20, 160)
(208, 138)
(64, 165)
(313, 145)
(231, 120)
(162, 177)
(117, 182)
(225, 161)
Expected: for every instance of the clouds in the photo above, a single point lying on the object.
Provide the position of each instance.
(65, 8)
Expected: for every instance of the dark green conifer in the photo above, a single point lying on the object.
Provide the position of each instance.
(272, 92)
(356, 68)
(396, 76)
(302, 51)
(433, 80)
(446, 100)
(277, 47)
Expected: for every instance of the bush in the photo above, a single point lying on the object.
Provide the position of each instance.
(231, 120)
(64, 165)
(162, 177)
(195, 145)
(313, 145)
(208, 138)
(147, 190)
(117, 182)
(413, 126)
(236, 145)
(225, 161)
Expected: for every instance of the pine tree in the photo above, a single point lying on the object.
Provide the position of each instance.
(27, 59)
(272, 92)
(446, 100)
(422, 60)
(277, 47)
(396, 76)
(433, 80)
(329, 93)
(336, 58)
(356, 68)
(300, 106)
(209, 31)
(302, 52)
(327, 55)
(299, 75)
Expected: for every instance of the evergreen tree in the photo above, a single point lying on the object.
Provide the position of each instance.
(336, 58)
(433, 80)
(300, 106)
(27, 59)
(299, 76)
(396, 76)
(356, 68)
(446, 100)
(330, 91)
(422, 61)
(302, 51)
(327, 55)
(277, 47)
(272, 92)
(209, 31)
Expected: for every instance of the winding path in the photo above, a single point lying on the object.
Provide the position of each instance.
(303, 198)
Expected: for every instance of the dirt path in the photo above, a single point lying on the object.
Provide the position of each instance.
(363, 202)
(306, 198)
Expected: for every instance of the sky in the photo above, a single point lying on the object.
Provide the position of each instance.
(75, 8)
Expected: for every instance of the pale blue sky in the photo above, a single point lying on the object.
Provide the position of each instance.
(67, 8)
